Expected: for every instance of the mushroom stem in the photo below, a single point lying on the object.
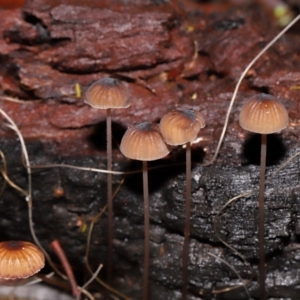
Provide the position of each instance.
(147, 231)
(109, 196)
(57, 248)
(187, 228)
(261, 217)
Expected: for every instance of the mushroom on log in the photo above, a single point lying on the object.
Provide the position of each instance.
(169, 55)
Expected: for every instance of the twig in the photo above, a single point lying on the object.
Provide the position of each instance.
(88, 169)
(243, 284)
(54, 282)
(12, 125)
(88, 294)
(12, 184)
(37, 279)
(55, 245)
(4, 170)
(89, 281)
(28, 198)
(16, 100)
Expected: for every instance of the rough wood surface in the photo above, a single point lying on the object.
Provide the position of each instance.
(169, 55)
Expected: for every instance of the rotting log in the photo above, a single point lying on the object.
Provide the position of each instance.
(168, 56)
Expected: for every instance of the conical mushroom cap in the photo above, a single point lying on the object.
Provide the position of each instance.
(144, 142)
(179, 127)
(263, 114)
(107, 93)
(19, 259)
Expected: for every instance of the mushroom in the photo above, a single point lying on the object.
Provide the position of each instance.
(108, 93)
(19, 259)
(181, 127)
(144, 142)
(263, 114)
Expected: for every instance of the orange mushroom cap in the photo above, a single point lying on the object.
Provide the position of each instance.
(19, 259)
(179, 127)
(263, 114)
(107, 93)
(143, 141)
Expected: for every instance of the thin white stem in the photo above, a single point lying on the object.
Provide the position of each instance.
(89, 281)
(243, 284)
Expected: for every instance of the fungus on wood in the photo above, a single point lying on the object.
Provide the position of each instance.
(108, 93)
(144, 142)
(177, 128)
(263, 114)
(49, 46)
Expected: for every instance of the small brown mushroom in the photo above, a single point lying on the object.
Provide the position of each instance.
(108, 93)
(177, 128)
(144, 142)
(263, 114)
(19, 259)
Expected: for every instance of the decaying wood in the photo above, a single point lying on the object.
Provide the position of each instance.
(168, 56)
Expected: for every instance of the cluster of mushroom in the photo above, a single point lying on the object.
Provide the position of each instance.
(148, 141)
